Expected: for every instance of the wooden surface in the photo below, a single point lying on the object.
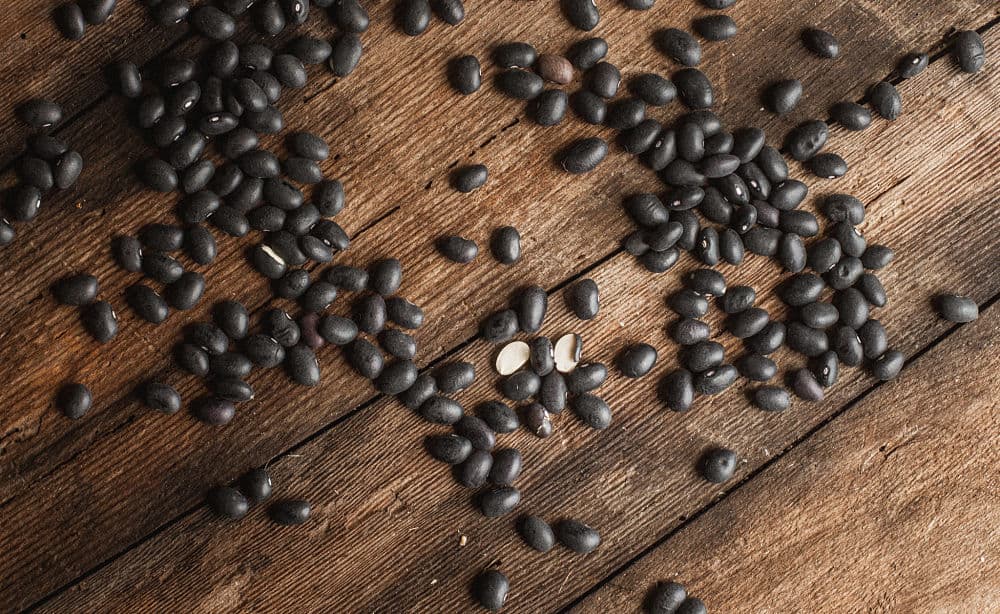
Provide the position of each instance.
(104, 513)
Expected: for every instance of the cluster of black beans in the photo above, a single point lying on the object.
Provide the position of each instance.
(72, 18)
(505, 246)
(672, 598)
(414, 16)
(47, 163)
(254, 487)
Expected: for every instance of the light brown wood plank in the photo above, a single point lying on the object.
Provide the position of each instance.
(384, 508)
(891, 507)
(100, 443)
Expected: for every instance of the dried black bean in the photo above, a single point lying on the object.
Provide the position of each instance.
(347, 51)
(737, 299)
(603, 78)
(821, 43)
(74, 400)
(874, 340)
(819, 315)
(536, 533)
(804, 383)
(731, 247)
(521, 385)
(715, 27)
(161, 397)
(465, 74)
(289, 512)
(747, 323)
(532, 303)
(718, 465)
(851, 115)
(804, 340)
(782, 97)
(844, 273)
(232, 389)
(396, 377)
(452, 12)
(768, 340)
(500, 417)
(292, 284)
(70, 21)
(506, 467)
(693, 88)
(583, 14)
(553, 392)
(788, 194)
(677, 390)
(828, 166)
(450, 449)
(678, 45)
(969, 51)
(263, 351)
(640, 138)
(956, 308)
(146, 303)
(368, 311)
(500, 326)
(229, 364)
(311, 50)
(185, 293)
(653, 89)
(520, 84)
(847, 345)
(192, 359)
(256, 484)
(876, 257)
(666, 597)
(852, 307)
(398, 343)
(584, 155)
(637, 360)
(515, 55)
(824, 254)
(499, 501)
(422, 389)
(583, 298)
(505, 245)
(214, 411)
(772, 398)
(536, 419)
(350, 278)
(228, 502)
(688, 303)
(843, 208)
(805, 140)
(801, 289)
(198, 207)
(763, 241)
(76, 290)
(452, 377)
(702, 356)
(871, 288)
(886, 100)
(490, 589)
(583, 54)
(385, 276)
(577, 536)
(888, 366)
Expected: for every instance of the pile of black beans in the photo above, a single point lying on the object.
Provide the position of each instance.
(48, 163)
(254, 487)
(73, 18)
(505, 246)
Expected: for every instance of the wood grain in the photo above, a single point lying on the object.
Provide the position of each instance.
(384, 507)
(890, 508)
(77, 458)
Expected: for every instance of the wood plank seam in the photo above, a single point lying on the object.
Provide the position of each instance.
(816, 429)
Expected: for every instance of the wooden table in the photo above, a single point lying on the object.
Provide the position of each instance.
(881, 498)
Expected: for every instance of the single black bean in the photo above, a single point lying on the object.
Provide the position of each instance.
(520, 84)
(662, 152)
(35, 172)
(413, 16)
(690, 141)
(804, 340)
(763, 241)
(452, 377)
(886, 100)
(819, 315)
(368, 311)
(583, 54)
(702, 356)
(806, 386)
(263, 351)
(536, 419)
(782, 96)
(404, 313)
(465, 74)
(146, 303)
(515, 55)
(452, 12)
(693, 88)
(969, 51)
(772, 398)
(228, 502)
(500, 326)
(396, 377)
(185, 293)
(688, 303)
(799, 222)
(229, 364)
(490, 589)
(289, 512)
(637, 360)
(499, 416)
(505, 245)
(805, 140)
(301, 365)
(232, 389)
(877, 256)
(678, 45)
(76, 290)
(719, 143)
(821, 43)
(738, 298)
(74, 400)
(844, 273)
(843, 208)
(706, 282)
(852, 307)
(536, 533)
(311, 50)
(688, 331)
(640, 138)
(532, 303)
(677, 390)
(874, 339)
(888, 366)
(214, 411)
(666, 597)
(771, 162)
(450, 449)
(506, 467)
(349, 278)
(192, 359)
(603, 78)
(499, 501)
(824, 254)
(871, 288)
(422, 389)
(801, 289)
(768, 340)
(553, 392)
(584, 155)
(70, 21)
(956, 308)
(583, 298)
(653, 89)
(659, 262)
(521, 385)
(715, 27)
(851, 115)
(347, 51)
(385, 276)
(718, 465)
(577, 536)
(161, 397)
(731, 247)
(792, 252)
(198, 207)
(583, 14)
(847, 345)
(851, 241)
(256, 484)
(625, 114)
(788, 194)
(747, 323)
(398, 343)
(828, 166)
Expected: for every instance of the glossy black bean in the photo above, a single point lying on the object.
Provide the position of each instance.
(536, 533)
(70, 21)
(707, 248)
(791, 253)
(805, 385)
(748, 322)
(396, 377)
(737, 299)
(196, 177)
(465, 74)
(368, 311)
(678, 45)
(845, 273)
(603, 78)
(772, 398)
(451, 12)
(693, 88)
(185, 293)
(452, 377)
(490, 589)
(821, 43)
(331, 233)
(677, 390)
(851, 115)
(76, 290)
(824, 254)
(715, 380)
(346, 53)
(773, 165)
(289, 512)
(505, 245)
(637, 360)
(826, 368)
(500, 417)
(663, 237)
(756, 367)
(457, 249)
(515, 55)
(532, 303)
(783, 96)
(583, 14)
(886, 100)
(969, 51)
(756, 181)
(186, 149)
(577, 536)
(263, 351)
(198, 207)
(229, 364)
(888, 366)
(160, 397)
(311, 50)
(956, 308)
(521, 385)
(874, 339)
(584, 155)
(719, 143)
(385, 276)
(662, 152)
(268, 121)
(688, 303)
(641, 137)
(74, 400)
(208, 337)
(158, 175)
(586, 53)
(843, 208)
(702, 356)
(227, 502)
(718, 465)
(192, 359)
(715, 27)
(852, 307)
(520, 84)
(804, 340)
(666, 597)
(35, 172)
(232, 389)
(871, 288)
(653, 89)
(799, 222)
(256, 484)
(801, 289)
(690, 141)
(146, 303)
(553, 392)
(828, 166)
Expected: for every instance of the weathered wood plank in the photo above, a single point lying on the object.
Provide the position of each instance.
(387, 517)
(891, 507)
(179, 486)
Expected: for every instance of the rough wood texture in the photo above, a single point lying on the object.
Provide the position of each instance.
(890, 508)
(635, 482)
(74, 470)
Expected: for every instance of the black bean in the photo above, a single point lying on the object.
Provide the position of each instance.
(847, 345)
(577, 536)
(301, 365)
(792, 252)
(805, 140)
(404, 313)
(663, 237)
(76, 290)
(506, 467)
(772, 398)
(886, 100)
(229, 364)
(186, 149)
(553, 392)
(772, 164)
(515, 55)
(583, 298)
(347, 51)
(715, 27)
(289, 512)
(267, 262)
(799, 222)
(279, 325)
(232, 389)
(311, 50)
(747, 323)
(330, 233)
(804, 340)
(956, 308)
(532, 303)
(719, 143)
(762, 241)
(706, 282)
(718, 465)
(520, 84)
(185, 293)
(368, 311)
(452, 377)
(536, 419)
(734, 189)
(877, 256)
(150, 111)
(256, 484)
(819, 315)
(329, 197)
(844, 273)
(452, 12)
(640, 138)
(303, 170)
(666, 597)
(161, 397)
(158, 175)
(269, 18)
(852, 307)
(348, 278)
(851, 241)
(584, 155)
(490, 589)
(70, 21)
(805, 385)
(350, 15)
(646, 209)
(214, 411)
(824, 254)
(801, 289)
(398, 343)
(211, 22)
(969, 51)
(678, 45)
(146, 303)
(197, 176)
(690, 141)
(637, 360)
(396, 377)
(888, 366)
(688, 303)
(782, 96)
(583, 14)
(851, 115)
(874, 340)
(74, 400)
(603, 78)
(500, 326)
(768, 340)
(731, 247)
(677, 390)
(413, 16)
(385, 276)
(263, 351)
(843, 208)
(505, 245)
(821, 43)
(586, 53)
(737, 299)
(422, 389)
(198, 207)
(702, 356)
(35, 172)
(662, 152)
(499, 417)
(718, 4)
(828, 166)
(465, 74)
(449, 449)
(521, 385)
(653, 89)
(747, 144)
(625, 114)
(536, 533)
(228, 502)
(871, 288)
(192, 359)
(693, 88)
(757, 182)
(498, 501)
